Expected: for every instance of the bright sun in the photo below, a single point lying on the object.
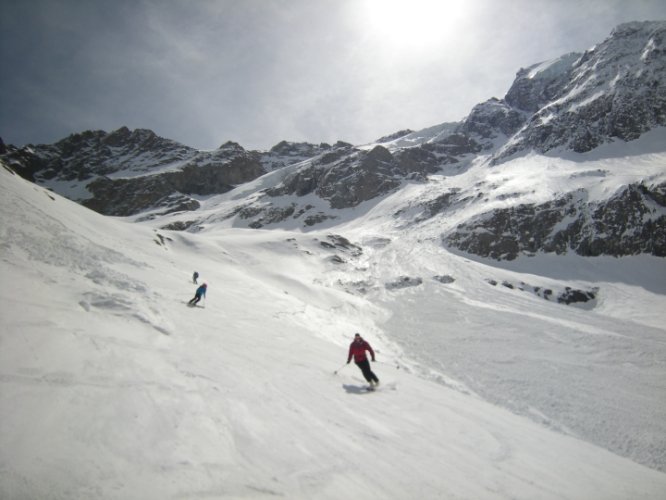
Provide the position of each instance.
(413, 24)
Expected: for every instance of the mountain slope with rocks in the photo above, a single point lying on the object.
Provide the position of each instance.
(539, 378)
(613, 91)
(512, 283)
(572, 110)
(128, 172)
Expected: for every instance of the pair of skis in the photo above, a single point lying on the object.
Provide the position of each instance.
(366, 388)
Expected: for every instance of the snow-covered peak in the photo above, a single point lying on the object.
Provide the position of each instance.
(537, 85)
(231, 147)
(552, 69)
(631, 28)
(614, 91)
(408, 138)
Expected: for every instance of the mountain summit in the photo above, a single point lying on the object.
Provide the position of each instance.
(576, 108)
(613, 91)
(508, 270)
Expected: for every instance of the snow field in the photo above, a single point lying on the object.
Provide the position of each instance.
(111, 387)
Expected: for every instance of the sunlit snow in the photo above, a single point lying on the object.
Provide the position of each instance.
(111, 387)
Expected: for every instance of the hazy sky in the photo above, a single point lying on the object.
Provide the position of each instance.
(203, 72)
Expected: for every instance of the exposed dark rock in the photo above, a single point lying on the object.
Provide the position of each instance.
(127, 172)
(179, 225)
(441, 204)
(631, 222)
(231, 148)
(347, 179)
(318, 218)
(360, 287)
(403, 282)
(453, 146)
(567, 295)
(300, 149)
(337, 242)
(533, 89)
(444, 278)
(571, 296)
(615, 91)
(394, 136)
(131, 196)
(268, 216)
(491, 117)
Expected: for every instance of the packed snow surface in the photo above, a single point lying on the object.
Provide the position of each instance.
(111, 387)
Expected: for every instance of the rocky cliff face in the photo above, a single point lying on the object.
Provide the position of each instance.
(578, 102)
(631, 222)
(347, 176)
(97, 153)
(128, 172)
(613, 92)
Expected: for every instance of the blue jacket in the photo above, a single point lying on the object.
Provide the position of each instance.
(201, 291)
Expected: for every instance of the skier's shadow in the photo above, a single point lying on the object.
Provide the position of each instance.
(355, 389)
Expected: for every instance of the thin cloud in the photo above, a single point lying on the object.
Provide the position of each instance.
(258, 72)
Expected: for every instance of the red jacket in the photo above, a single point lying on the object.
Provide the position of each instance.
(357, 350)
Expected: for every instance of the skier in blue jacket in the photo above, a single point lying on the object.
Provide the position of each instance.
(201, 292)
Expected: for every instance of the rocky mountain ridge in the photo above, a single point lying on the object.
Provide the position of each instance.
(614, 92)
(630, 222)
(580, 101)
(126, 172)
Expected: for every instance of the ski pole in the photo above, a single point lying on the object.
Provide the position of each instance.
(336, 371)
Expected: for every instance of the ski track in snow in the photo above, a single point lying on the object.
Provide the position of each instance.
(111, 387)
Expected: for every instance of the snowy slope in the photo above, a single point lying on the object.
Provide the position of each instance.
(111, 387)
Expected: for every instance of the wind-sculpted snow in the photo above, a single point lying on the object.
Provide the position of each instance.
(101, 264)
(538, 85)
(64, 249)
(615, 90)
(111, 387)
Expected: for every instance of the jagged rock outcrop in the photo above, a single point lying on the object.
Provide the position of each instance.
(347, 176)
(169, 191)
(288, 153)
(394, 136)
(349, 183)
(613, 92)
(617, 90)
(343, 177)
(492, 117)
(90, 154)
(629, 223)
(540, 84)
(127, 172)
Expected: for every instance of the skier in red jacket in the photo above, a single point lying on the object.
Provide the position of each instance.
(357, 350)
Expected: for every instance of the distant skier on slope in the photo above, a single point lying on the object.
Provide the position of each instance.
(201, 292)
(357, 350)
(195, 277)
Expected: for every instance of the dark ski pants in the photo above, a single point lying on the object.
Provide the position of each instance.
(196, 299)
(367, 372)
